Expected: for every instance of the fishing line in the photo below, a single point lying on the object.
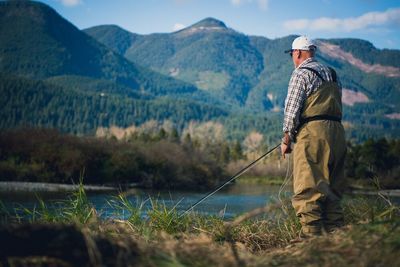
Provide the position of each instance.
(239, 173)
(289, 175)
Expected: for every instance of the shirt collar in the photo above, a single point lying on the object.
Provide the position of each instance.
(305, 62)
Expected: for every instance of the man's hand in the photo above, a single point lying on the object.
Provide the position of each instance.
(285, 146)
(285, 149)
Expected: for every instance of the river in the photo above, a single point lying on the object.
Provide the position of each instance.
(231, 201)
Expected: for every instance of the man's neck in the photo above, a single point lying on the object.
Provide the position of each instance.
(305, 61)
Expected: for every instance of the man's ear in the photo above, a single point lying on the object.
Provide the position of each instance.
(299, 54)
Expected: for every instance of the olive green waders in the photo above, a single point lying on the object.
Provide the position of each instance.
(318, 155)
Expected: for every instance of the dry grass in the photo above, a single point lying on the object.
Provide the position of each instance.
(163, 238)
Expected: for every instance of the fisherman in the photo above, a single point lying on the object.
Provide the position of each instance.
(312, 120)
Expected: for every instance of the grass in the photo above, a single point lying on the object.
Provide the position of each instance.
(162, 237)
(260, 180)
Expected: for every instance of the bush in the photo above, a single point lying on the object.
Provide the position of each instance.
(375, 158)
(44, 155)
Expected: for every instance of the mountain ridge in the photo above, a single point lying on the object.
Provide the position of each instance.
(264, 46)
(110, 76)
(209, 22)
(57, 47)
(371, 87)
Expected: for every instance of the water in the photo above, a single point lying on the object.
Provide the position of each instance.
(233, 200)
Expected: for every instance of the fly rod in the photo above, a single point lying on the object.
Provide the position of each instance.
(229, 180)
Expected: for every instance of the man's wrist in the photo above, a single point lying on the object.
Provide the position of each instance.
(286, 139)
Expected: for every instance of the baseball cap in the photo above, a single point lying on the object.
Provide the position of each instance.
(302, 43)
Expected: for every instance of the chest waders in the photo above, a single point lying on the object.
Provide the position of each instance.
(318, 156)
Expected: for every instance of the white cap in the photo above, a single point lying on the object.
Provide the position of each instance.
(302, 43)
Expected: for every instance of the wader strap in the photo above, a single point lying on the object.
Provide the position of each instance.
(333, 73)
(319, 118)
(316, 72)
(316, 118)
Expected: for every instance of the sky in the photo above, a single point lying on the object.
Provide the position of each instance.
(377, 21)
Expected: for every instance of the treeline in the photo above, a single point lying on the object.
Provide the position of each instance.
(27, 102)
(375, 160)
(160, 160)
(89, 104)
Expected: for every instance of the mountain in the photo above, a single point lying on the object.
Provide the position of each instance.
(253, 72)
(38, 43)
(27, 102)
(207, 54)
(54, 75)
(366, 52)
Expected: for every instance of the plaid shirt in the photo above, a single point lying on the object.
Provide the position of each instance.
(302, 84)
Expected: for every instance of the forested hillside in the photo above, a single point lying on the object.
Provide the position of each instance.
(254, 72)
(38, 43)
(54, 75)
(43, 104)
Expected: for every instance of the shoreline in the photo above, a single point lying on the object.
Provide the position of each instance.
(10, 186)
(384, 192)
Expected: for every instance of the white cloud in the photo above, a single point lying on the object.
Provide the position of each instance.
(71, 2)
(365, 21)
(263, 4)
(178, 26)
(237, 2)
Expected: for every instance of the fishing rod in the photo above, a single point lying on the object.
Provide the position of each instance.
(229, 180)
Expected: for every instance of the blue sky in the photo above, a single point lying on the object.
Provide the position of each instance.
(377, 21)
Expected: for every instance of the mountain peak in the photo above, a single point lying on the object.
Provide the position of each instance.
(207, 24)
(210, 22)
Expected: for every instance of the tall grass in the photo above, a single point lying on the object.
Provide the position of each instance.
(371, 238)
(75, 209)
(271, 230)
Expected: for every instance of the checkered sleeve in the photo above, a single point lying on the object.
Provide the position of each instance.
(293, 103)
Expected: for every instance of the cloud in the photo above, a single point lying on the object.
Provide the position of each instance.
(365, 21)
(262, 4)
(178, 26)
(237, 2)
(71, 2)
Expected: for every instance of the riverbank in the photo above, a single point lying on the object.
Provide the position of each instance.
(388, 192)
(120, 247)
(75, 234)
(260, 180)
(38, 187)
(43, 155)
(32, 187)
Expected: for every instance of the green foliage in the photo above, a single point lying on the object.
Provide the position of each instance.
(375, 158)
(123, 206)
(48, 156)
(187, 53)
(54, 75)
(76, 208)
(369, 209)
(223, 59)
(161, 218)
(45, 45)
(27, 102)
(370, 236)
(365, 51)
(238, 126)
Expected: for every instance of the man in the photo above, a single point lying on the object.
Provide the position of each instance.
(312, 119)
